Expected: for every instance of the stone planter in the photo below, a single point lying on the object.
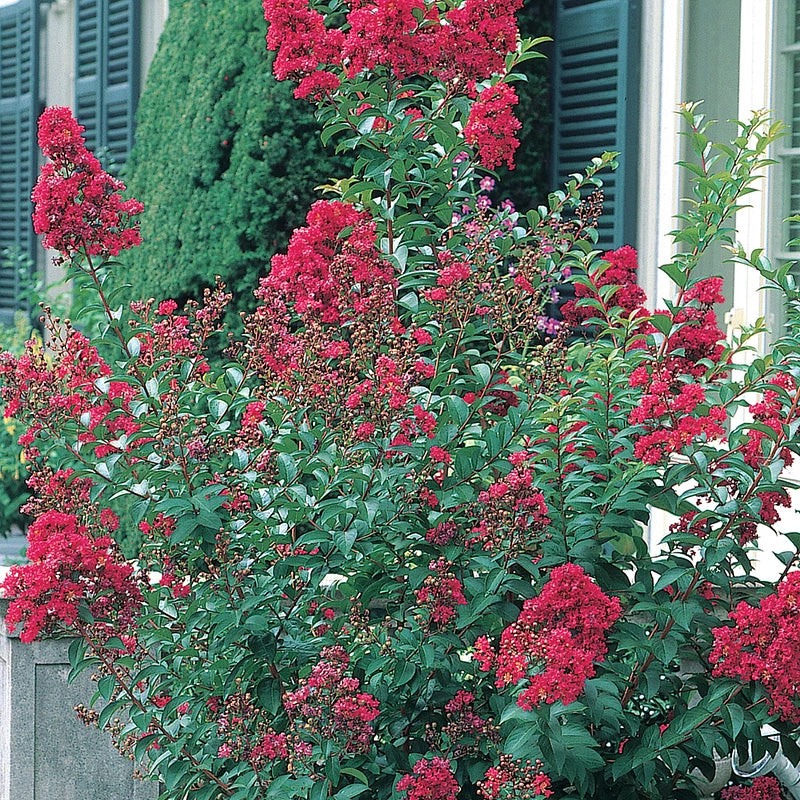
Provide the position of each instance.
(45, 752)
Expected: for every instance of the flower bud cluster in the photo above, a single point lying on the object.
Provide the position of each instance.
(440, 593)
(513, 778)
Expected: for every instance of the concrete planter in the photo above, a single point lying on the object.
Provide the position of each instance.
(45, 752)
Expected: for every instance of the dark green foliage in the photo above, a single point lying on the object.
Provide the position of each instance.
(225, 160)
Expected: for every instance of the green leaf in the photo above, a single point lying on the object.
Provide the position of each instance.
(269, 695)
(353, 790)
(734, 719)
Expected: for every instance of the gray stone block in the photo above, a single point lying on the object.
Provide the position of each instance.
(46, 753)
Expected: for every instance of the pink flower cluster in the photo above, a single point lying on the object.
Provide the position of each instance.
(673, 407)
(556, 641)
(69, 383)
(440, 593)
(329, 706)
(762, 646)
(78, 205)
(513, 778)
(771, 411)
(671, 412)
(327, 280)
(407, 38)
(69, 569)
(244, 734)
(328, 277)
(511, 512)
(431, 779)
(696, 337)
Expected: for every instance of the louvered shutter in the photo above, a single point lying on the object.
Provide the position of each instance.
(121, 86)
(88, 69)
(597, 45)
(107, 74)
(790, 147)
(19, 89)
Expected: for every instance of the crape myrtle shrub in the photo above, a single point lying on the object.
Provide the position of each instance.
(226, 162)
(393, 545)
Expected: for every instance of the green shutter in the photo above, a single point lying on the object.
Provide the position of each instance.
(19, 100)
(107, 74)
(596, 96)
(121, 84)
(88, 69)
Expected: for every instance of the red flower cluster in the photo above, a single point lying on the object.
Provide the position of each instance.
(59, 490)
(329, 706)
(325, 277)
(672, 408)
(768, 513)
(764, 788)
(407, 37)
(696, 336)
(669, 409)
(432, 779)
(560, 633)
(299, 35)
(79, 206)
(69, 569)
(441, 593)
(762, 646)
(491, 126)
(403, 35)
(771, 411)
(349, 354)
(481, 33)
(513, 778)
(618, 268)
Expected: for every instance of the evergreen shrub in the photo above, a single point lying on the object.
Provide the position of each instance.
(225, 160)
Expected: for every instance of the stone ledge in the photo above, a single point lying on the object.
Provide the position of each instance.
(45, 752)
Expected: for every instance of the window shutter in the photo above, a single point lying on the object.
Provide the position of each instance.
(121, 78)
(88, 69)
(596, 96)
(19, 99)
(107, 74)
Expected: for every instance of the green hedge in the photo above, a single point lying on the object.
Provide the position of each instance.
(226, 160)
